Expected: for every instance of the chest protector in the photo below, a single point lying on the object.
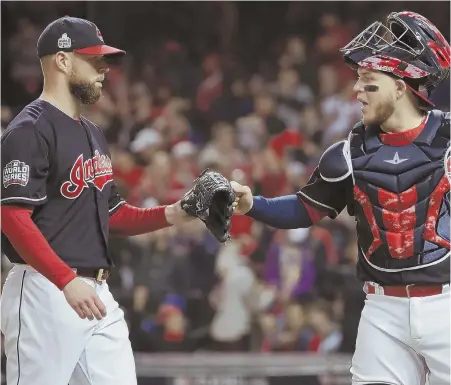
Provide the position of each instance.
(401, 194)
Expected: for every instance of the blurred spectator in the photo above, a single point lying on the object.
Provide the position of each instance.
(340, 111)
(185, 169)
(146, 143)
(284, 329)
(295, 56)
(212, 86)
(290, 266)
(127, 174)
(222, 149)
(161, 284)
(333, 36)
(321, 320)
(25, 68)
(6, 116)
(292, 95)
(156, 185)
(265, 106)
(232, 300)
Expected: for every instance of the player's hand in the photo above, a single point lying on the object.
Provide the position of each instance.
(84, 300)
(175, 215)
(244, 199)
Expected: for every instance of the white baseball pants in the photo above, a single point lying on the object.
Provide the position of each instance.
(403, 341)
(47, 343)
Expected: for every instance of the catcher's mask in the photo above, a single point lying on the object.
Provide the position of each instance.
(408, 46)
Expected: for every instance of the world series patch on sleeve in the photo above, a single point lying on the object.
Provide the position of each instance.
(16, 172)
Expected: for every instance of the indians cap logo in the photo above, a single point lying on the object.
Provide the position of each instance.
(16, 172)
(99, 35)
(97, 171)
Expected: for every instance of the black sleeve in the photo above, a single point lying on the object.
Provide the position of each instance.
(115, 201)
(331, 197)
(25, 166)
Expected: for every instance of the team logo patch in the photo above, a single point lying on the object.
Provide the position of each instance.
(64, 41)
(96, 171)
(396, 159)
(16, 172)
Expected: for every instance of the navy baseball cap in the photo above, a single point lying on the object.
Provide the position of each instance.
(71, 34)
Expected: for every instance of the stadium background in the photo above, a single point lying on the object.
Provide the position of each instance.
(255, 90)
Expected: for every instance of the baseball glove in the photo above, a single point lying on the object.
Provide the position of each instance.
(211, 200)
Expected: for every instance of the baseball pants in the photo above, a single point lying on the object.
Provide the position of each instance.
(47, 343)
(403, 341)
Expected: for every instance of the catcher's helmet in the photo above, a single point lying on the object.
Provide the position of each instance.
(408, 46)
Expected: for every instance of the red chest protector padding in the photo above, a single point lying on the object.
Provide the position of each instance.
(399, 193)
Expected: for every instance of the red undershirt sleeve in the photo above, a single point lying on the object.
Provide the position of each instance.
(314, 214)
(129, 220)
(32, 246)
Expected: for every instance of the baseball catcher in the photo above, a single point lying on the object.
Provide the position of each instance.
(390, 174)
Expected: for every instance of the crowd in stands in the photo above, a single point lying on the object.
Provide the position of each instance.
(256, 91)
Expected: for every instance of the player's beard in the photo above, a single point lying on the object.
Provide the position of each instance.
(381, 113)
(85, 91)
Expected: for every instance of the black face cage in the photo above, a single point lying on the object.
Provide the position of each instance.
(405, 45)
(379, 39)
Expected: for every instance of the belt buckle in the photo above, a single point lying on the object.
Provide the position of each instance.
(99, 277)
(379, 289)
(408, 290)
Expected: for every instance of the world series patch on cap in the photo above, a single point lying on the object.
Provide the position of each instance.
(71, 34)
